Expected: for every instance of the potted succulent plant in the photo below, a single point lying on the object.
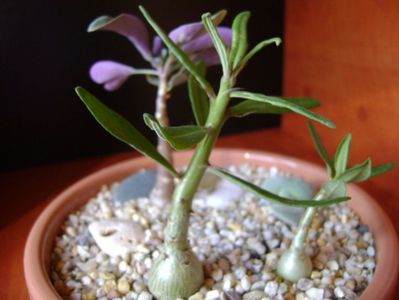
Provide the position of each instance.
(177, 269)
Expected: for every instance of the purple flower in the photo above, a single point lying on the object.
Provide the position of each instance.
(192, 38)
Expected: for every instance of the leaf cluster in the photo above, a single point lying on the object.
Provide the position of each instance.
(204, 99)
(337, 165)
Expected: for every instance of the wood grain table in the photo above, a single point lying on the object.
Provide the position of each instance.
(25, 193)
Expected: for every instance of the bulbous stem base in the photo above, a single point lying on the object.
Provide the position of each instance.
(176, 276)
(294, 264)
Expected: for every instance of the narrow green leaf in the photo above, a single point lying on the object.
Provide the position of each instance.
(317, 141)
(220, 46)
(256, 49)
(121, 128)
(98, 23)
(180, 55)
(198, 98)
(179, 137)
(247, 107)
(273, 197)
(217, 18)
(357, 173)
(239, 43)
(342, 155)
(334, 188)
(280, 102)
(381, 169)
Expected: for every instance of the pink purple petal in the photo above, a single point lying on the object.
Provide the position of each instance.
(134, 29)
(204, 41)
(156, 46)
(185, 33)
(111, 74)
(208, 56)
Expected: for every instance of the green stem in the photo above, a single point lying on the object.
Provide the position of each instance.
(294, 263)
(186, 273)
(298, 242)
(176, 230)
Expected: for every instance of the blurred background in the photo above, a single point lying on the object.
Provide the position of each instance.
(45, 52)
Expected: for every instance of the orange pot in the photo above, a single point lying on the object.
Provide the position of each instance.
(40, 241)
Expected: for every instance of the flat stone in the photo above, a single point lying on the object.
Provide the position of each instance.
(116, 237)
(135, 186)
(209, 181)
(224, 195)
(290, 187)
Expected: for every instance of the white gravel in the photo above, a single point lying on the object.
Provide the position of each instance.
(239, 247)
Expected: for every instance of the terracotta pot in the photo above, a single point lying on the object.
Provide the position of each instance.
(41, 237)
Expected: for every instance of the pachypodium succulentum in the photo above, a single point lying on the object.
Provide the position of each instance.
(165, 71)
(294, 263)
(177, 273)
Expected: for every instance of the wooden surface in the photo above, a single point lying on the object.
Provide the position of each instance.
(25, 193)
(346, 53)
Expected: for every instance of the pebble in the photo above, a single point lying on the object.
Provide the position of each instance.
(224, 265)
(272, 260)
(304, 284)
(282, 289)
(315, 293)
(254, 295)
(217, 274)
(371, 251)
(333, 265)
(259, 285)
(231, 295)
(145, 296)
(338, 292)
(245, 283)
(362, 228)
(229, 281)
(271, 288)
(196, 296)
(123, 286)
(239, 247)
(213, 295)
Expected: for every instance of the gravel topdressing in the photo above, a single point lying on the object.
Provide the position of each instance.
(239, 247)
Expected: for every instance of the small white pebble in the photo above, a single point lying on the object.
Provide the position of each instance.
(315, 293)
(217, 274)
(271, 288)
(246, 283)
(145, 296)
(371, 251)
(338, 292)
(304, 284)
(333, 265)
(212, 295)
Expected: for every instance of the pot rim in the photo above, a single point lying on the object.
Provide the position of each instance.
(40, 239)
